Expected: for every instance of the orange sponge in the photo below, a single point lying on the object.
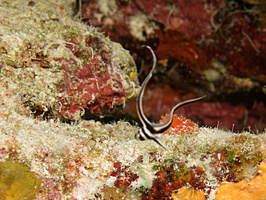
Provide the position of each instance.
(180, 125)
(247, 189)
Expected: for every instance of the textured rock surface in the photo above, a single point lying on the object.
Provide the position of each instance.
(59, 66)
(87, 159)
(204, 47)
(230, 32)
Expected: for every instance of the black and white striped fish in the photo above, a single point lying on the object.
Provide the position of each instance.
(149, 130)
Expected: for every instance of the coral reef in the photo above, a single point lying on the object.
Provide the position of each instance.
(59, 66)
(204, 47)
(195, 34)
(236, 116)
(248, 189)
(88, 160)
(54, 67)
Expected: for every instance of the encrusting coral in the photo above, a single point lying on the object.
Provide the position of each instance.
(87, 159)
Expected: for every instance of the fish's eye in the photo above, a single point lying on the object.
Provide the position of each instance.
(138, 136)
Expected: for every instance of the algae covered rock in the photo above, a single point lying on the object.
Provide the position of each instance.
(17, 182)
(54, 64)
(60, 67)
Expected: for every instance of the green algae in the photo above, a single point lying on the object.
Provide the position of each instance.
(17, 182)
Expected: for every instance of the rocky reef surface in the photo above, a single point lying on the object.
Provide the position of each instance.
(213, 47)
(59, 66)
(89, 160)
(56, 72)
